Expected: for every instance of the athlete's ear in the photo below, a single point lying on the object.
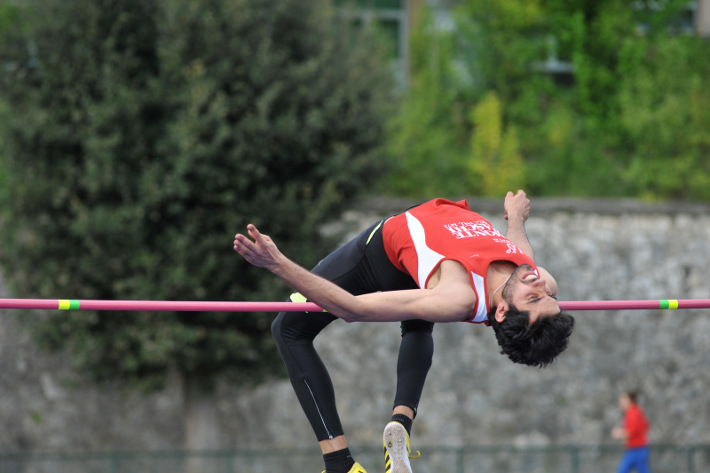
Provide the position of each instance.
(500, 311)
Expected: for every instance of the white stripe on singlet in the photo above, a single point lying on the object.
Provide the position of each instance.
(427, 259)
(481, 314)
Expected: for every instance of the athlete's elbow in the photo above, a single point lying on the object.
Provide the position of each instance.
(349, 317)
(363, 310)
(352, 314)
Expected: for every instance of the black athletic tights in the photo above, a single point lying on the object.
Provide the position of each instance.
(360, 266)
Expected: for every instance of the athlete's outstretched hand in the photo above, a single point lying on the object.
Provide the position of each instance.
(517, 206)
(261, 252)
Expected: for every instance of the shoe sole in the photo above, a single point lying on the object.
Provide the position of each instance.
(395, 442)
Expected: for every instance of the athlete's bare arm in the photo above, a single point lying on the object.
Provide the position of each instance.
(449, 298)
(517, 211)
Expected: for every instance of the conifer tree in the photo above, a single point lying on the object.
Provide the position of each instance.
(141, 135)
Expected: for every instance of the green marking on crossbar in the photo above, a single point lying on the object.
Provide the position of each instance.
(668, 304)
(65, 304)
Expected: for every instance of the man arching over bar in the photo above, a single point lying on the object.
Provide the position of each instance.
(434, 263)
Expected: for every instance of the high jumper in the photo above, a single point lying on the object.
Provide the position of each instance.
(437, 262)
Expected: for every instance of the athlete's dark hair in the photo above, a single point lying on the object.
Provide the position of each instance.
(532, 344)
(632, 395)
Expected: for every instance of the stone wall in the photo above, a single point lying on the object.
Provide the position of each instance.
(596, 249)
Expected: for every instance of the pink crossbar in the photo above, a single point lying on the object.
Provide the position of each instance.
(237, 306)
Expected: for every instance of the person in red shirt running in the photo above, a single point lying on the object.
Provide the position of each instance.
(633, 433)
(434, 263)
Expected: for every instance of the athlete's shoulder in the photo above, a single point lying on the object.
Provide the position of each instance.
(439, 203)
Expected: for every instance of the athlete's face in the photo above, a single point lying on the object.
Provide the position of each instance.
(527, 291)
(625, 402)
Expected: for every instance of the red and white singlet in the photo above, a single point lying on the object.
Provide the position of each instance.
(418, 240)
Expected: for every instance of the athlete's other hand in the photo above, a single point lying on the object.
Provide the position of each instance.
(517, 206)
(261, 252)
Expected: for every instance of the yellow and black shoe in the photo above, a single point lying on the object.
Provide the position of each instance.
(395, 441)
(356, 468)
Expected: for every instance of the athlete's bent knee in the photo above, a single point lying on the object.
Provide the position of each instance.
(276, 327)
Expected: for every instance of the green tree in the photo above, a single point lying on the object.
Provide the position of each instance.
(560, 124)
(664, 112)
(428, 138)
(8, 16)
(495, 162)
(141, 135)
(626, 118)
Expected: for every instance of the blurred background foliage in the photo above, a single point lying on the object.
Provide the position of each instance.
(582, 98)
(139, 136)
